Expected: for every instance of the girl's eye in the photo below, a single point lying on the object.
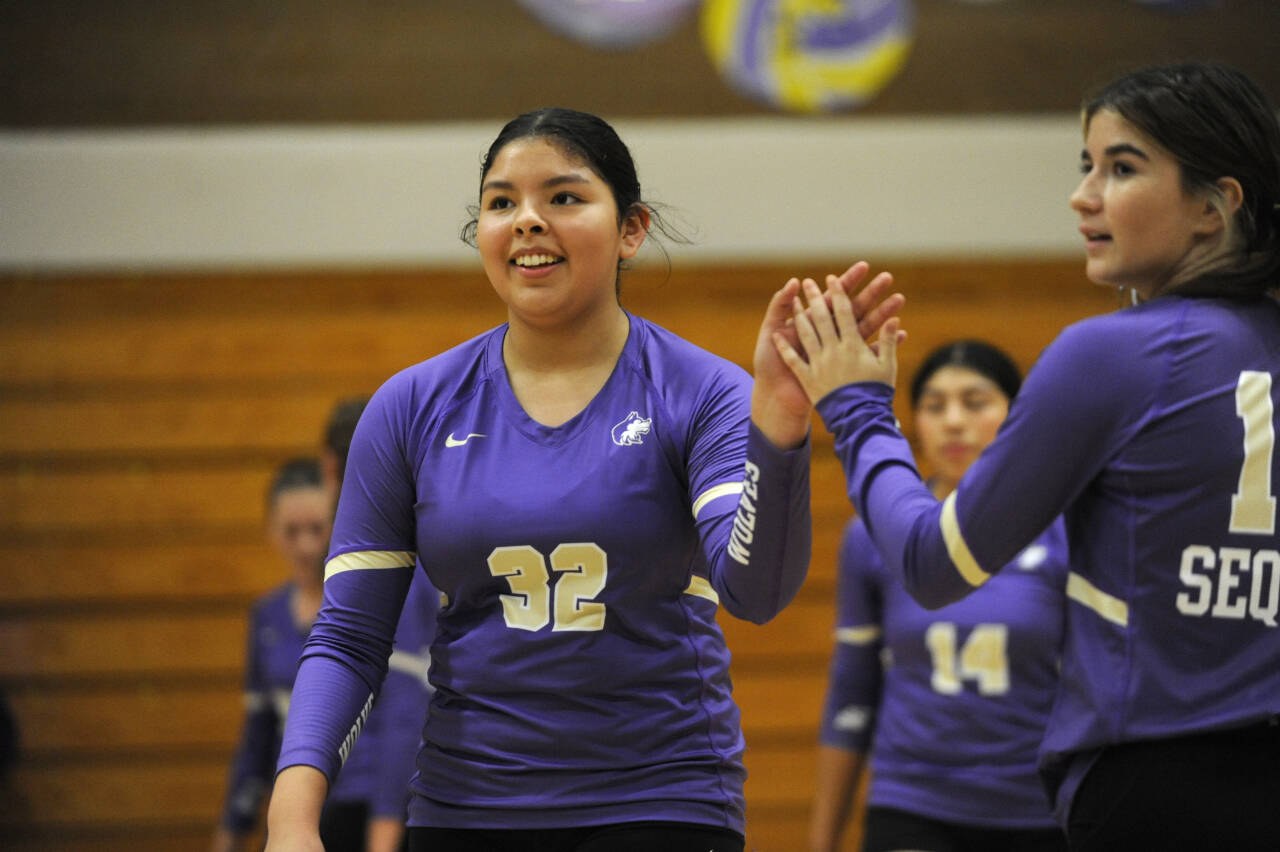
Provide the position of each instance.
(498, 202)
(1121, 168)
(1085, 167)
(564, 198)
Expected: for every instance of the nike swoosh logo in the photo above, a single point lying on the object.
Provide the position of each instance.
(451, 441)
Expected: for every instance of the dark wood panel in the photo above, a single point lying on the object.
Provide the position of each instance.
(52, 573)
(57, 339)
(71, 296)
(140, 496)
(111, 718)
(261, 420)
(780, 703)
(167, 837)
(159, 791)
(785, 827)
(140, 419)
(780, 776)
(70, 62)
(803, 629)
(147, 644)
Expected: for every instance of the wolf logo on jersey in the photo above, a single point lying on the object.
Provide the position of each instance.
(632, 430)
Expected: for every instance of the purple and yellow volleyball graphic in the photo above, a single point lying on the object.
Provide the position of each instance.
(808, 55)
(611, 24)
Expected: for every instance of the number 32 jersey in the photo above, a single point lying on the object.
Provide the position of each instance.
(1155, 427)
(580, 675)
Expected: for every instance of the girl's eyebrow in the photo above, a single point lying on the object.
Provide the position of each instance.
(1118, 148)
(558, 180)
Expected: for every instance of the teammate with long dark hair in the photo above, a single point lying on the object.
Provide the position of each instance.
(1153, 431)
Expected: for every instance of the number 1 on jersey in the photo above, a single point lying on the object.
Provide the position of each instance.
(1253, 508)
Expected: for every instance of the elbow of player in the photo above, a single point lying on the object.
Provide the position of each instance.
(933, 594)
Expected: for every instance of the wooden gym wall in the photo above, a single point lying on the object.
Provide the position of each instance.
(141, 414)
(140, 419)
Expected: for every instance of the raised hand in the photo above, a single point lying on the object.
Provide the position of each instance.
(826, 349)
(780, 401)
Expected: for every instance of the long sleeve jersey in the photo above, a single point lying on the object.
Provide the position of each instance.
(951, 703)
(1153, 431)
(378, 774)
(580, 675)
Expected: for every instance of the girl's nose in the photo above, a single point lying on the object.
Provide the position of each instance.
(529, 221)
(1085, 197)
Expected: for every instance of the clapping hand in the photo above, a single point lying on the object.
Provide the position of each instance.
(825, 345)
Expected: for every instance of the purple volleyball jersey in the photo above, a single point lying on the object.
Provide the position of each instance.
(378, 773)
(580, 675)
(1154, 428)
(951, 703)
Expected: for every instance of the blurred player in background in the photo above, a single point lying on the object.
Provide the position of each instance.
(392, 734)
(950, 704)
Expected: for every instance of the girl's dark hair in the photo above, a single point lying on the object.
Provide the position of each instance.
(982, 358)
(341, 427)
(592, 140)
(302, 472)
(1216, 123)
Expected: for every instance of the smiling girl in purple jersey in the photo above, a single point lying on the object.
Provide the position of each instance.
(951, 704)
(1153, 431)
(584, 489)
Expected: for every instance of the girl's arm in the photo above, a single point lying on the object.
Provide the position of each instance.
(759, 553)
(849, 712)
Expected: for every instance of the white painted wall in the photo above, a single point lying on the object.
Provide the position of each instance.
(752, 189)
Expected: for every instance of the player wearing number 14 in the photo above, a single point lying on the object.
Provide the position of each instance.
(947, 707)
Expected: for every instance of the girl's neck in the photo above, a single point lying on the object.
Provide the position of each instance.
(941, 488)
(581, 344)
(555, 373)
(305, 602)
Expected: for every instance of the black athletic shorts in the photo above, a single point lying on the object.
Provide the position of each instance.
(891, 830)
(1215, 791)
(618, 837)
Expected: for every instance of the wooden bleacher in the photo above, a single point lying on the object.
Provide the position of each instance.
(140, 418)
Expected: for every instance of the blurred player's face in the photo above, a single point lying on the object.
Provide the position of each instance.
(299, 527)
(959, 413)
(1141, 228)
(549, 235)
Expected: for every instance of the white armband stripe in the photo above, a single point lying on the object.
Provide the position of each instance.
(728, 489)
(366, 560)
(957, 548)
(863, 634)
(1108, 606)
(410, 664)
(701, 587)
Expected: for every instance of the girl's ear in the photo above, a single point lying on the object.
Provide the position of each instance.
(635, 227)
(1231, 195)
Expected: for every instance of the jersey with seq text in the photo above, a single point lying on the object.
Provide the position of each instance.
(1155, 428)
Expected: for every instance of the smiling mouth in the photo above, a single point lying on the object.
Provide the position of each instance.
(536, 261)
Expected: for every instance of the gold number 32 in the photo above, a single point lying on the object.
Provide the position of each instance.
(583, 569)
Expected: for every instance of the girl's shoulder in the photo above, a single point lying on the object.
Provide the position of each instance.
(677, 364)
